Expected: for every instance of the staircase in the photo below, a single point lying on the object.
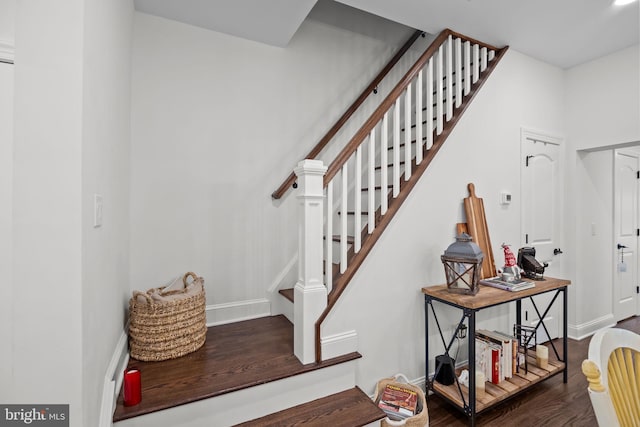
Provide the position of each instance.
(346, 206)
(250, 369)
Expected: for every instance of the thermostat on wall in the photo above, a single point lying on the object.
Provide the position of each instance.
(505, 198)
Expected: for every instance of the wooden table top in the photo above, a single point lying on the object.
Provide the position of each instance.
(488, 296)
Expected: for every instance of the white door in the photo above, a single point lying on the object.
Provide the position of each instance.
(541, 221)
(625, 294)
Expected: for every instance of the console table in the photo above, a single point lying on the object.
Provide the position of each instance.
(464, 398)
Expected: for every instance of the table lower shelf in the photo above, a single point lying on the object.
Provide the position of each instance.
(496, 393)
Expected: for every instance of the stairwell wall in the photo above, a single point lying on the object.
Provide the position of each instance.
(217, 123)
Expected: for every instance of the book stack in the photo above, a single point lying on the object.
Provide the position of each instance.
(512, 286)
(496, 355)
(398, 402)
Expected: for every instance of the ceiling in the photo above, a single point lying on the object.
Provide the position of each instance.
(563, 33)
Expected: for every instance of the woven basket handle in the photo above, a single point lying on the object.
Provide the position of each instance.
(142, 294)
(186, 276)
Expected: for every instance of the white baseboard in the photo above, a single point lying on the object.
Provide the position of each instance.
(113, 379)
(220, 314)
(339, 344)
(584, 330)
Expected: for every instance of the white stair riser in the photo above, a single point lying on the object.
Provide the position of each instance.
(251, 403)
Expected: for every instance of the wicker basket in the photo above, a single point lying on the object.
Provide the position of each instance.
(168, 324)
(421, 419)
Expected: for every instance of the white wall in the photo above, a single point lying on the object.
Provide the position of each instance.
(6, 220)
(603, 100)
(593, 305)
(7, 25)
(70, 281)
(47, 282)
(217, 123)
(7, 22)
(383, 303)
(106, 135)
(603, 111)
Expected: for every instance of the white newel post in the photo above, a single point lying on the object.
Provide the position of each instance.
(310, 294)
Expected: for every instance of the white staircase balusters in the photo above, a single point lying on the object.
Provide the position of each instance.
(396, 148)
(431, 89)
(384, 162)
(343, 226)
(419, 92)
(458, 67)
(476, 63)
(357, 194)
(449, 77)
(483, 59)
(467, 68)
(439, 89)
(429, 114)
(407, 133)
(371, 205)
(310, 293)
(328, 261)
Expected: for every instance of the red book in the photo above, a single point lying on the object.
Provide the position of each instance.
(495, 365)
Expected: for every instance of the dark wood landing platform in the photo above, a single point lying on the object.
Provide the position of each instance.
(350, 408)
(235, 356)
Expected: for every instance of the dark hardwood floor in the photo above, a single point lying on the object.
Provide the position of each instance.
(550, 403)
(253, 352)
(235, 356)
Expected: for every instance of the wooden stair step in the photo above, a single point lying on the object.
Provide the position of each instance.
(377, 187)
(287, 293)
(349, 408)
(413, 141)
(235, 356)
(389, 165)
(353, 213)
(337, 238)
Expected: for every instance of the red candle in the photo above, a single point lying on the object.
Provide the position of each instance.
(132, 389)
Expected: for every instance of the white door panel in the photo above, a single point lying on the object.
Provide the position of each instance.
(625, 296)
(541, 221)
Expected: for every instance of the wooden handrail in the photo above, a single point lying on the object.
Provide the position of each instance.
(349, 112)
(377, 115)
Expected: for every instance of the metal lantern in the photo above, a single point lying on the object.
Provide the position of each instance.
(462, 265)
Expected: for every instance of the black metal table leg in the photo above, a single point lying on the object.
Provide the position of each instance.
(427, 300)
(564, 335)
(472, 366)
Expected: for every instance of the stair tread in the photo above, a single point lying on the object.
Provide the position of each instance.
(287, 293)
(348, 408)
(238, 355)
(402, 144)
(389, 165)
(353, 213)
(377, 187)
